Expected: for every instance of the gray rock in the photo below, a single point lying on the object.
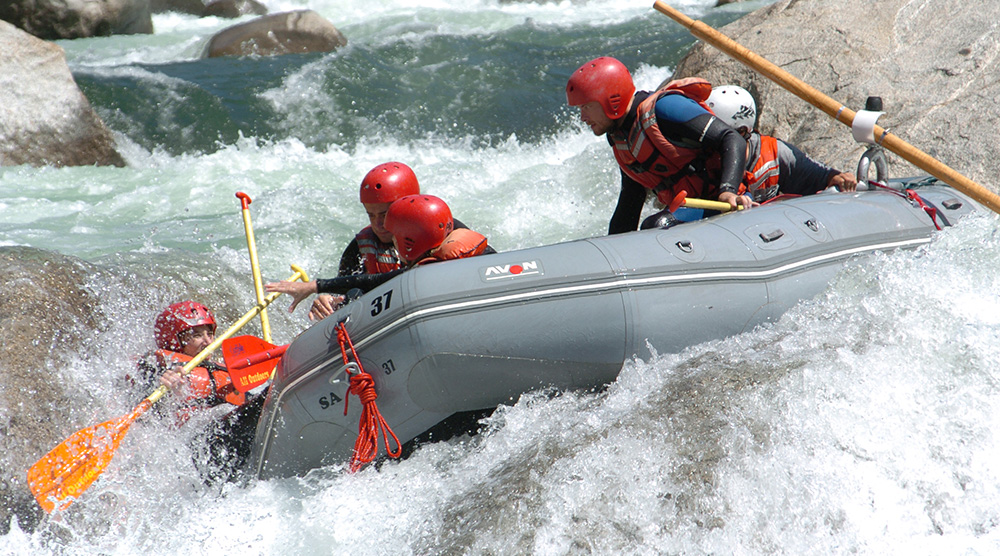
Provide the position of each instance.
(74, 19)
(47, 311)
(44, 117)
(192, 7)
(934, 64)
(283, 33)
(234, 8)
(216, 8)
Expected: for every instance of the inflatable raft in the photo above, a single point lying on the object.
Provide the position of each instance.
(475, 333)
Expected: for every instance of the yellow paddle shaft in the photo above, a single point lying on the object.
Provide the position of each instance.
(709, 205)
(258, 285)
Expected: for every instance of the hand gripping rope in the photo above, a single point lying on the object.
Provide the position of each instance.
(363, 386)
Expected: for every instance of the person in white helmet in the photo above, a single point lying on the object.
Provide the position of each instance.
(773, 167)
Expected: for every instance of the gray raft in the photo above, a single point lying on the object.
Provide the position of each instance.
(475, 333)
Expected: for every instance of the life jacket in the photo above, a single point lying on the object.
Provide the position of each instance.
(761, 180)
(649, 158)
(378, 257)
(208, 386)
(460, 244)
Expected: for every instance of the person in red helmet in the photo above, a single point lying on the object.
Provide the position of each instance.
(423, 231)
(667, 141)
(182, 331)
(371, 252)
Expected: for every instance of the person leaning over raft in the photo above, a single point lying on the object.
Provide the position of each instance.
(181, 332)
(423, 231)
(773, 166)
(371, 251)
(667, 141)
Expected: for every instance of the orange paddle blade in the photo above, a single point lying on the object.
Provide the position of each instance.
(70, 468)
(249, 361)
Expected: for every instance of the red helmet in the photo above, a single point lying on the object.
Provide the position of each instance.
(387, 182)
(418, 223)
(605, 80)
(178, 318)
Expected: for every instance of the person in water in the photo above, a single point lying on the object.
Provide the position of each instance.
(773, 167)
(422, 230)
(666, 142)
(182, 331)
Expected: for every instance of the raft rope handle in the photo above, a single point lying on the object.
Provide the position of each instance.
(914, 198)
(931, 211)
(363, 386)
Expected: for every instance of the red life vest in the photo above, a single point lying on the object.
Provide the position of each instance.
(460, 244)
(207, 386)
(650, 159)
(377, 256)
(762, 180)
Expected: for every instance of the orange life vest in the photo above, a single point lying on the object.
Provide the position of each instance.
(377, 257)
(762, 180)
(650, 159)
(460, 244)
(208, 386)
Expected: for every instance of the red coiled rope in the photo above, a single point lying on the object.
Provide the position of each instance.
(363, 386)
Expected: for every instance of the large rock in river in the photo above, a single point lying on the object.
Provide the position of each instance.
(934, 63)
(47, 312)
(74, 19)
(44, 118)
(295, 32)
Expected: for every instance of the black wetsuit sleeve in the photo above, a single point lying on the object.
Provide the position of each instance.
(363, 282)
(351, 261)
(458, 224)
(716, 136)
(630, 202)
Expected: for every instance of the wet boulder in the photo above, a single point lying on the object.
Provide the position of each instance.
(47, 313)
(296, 32)
(74, 19)
(937, 88)
(234, 8)
(44, 117)
(191, 7)
(216, 8)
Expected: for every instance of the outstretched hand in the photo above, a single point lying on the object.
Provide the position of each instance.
(298, 290)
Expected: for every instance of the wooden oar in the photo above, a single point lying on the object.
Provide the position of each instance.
(833, 108)
(62, 475)
(249, 360)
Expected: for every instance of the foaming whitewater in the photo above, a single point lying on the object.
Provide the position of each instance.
(861, 422)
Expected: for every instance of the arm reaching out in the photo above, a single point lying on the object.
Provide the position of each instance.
(298, 290)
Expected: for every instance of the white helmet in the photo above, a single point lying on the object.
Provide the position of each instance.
(734, 105)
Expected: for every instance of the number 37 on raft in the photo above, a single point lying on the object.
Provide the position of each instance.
(833, 108)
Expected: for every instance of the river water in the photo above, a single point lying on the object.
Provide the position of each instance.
(862, 422)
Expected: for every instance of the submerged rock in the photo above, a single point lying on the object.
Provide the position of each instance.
(295, 32)
(44, 117)
(938, 87)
